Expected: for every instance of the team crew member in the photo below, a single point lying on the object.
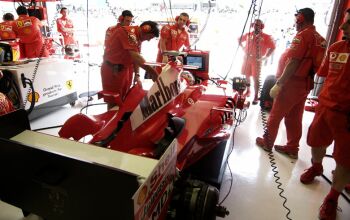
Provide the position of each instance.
(290, 91)
(124, 19)
(65, 27)
(6, 32)
(332, 121)
(173, 37)
(122, 53)
(27, 29)
(251, 43)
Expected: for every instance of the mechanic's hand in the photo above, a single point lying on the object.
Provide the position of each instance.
(165, 59)
(137, 80)
(275, 90)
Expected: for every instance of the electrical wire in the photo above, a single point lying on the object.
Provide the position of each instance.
(36, 67)
(240, 41)
(238, 122)
(330, 182)
(88, 55)
(256, 15)
(113, 12)
(171, 10)
(166, 11)
(204, 26)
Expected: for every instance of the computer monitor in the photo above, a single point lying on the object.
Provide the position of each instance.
(195, 60)
(58, 187)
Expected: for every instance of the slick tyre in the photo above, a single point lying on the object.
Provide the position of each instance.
(265, 99)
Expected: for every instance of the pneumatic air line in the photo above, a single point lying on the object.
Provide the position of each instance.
(264, 116)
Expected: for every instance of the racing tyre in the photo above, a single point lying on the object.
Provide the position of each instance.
(265, 99)
(196, 200)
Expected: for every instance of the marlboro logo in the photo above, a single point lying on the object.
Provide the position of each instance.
(159, 98)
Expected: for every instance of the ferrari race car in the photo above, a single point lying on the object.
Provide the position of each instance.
(199, 116)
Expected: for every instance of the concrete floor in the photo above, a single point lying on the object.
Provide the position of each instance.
(254, 193)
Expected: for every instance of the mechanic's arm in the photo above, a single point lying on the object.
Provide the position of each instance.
(270, 51)
(139, 61)
(162, 45)
(288, 71)
(137, 74)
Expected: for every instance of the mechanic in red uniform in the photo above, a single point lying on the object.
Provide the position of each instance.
(6, 32)
(65, 27)
(5, 104)
(290, 91)
(173, 37)
(124, 19)
(122, 53)
(27, 29)
(332, 121)
(250, 42)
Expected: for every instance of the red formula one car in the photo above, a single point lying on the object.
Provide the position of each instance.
(200, 116)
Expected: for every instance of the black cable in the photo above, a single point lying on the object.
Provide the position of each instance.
(39, 60)
(342, 194)
(330, 182)
(256, 15)
(238, 122)
(47, 128)
(240, 41)
(171, 10)
(89, 105)
(113, 12)
(204, 26)
(88, 56)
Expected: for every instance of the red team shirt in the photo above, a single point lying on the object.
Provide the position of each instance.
(28, 31)
(117, 50)
(175, 40)
(6, 32)
(265, 42)
(63, 23)
(110, 31)
(301, 49)
(250, 64)
(336, 67)
(120, 42)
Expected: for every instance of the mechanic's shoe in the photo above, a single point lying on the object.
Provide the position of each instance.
(261, 142)
(347, 188)
(328, 210)
(290, 151)
(309, 175)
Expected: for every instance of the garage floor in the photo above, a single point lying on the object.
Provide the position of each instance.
(254, 193)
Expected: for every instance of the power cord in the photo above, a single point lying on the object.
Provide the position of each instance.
(238, 122)
(264, 118)
(38, 63)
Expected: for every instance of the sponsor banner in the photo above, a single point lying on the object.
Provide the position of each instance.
(163, 91)
(152, 198)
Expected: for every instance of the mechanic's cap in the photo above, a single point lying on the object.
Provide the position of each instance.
(308, 13)
(127, 13)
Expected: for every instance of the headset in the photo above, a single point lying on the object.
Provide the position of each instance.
(120, 18)
(299, 18)
(188, 22)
